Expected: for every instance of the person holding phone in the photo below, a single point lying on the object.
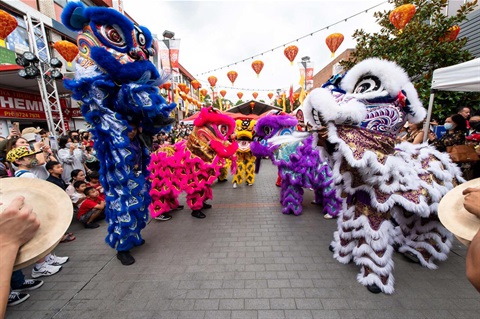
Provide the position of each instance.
(456, 127)
(13, 133)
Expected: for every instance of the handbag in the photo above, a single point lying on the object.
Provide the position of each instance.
(462, 153)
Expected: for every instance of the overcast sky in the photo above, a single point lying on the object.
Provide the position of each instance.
(217, 33)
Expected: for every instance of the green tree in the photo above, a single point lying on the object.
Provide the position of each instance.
(418, 49)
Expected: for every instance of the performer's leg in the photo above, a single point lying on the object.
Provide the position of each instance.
(343, 241)
(291, 197)
(196, 199)
(162, 202)
(374, 249)
(279, 180)
(250, 170)
(223, 174)
(238, 177)
(425, 239)
(331, 194)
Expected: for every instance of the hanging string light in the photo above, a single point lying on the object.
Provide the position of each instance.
(293, 41)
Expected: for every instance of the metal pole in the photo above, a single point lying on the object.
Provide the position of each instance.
(426, 127)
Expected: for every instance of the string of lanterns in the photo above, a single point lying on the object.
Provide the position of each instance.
(399, 17)
(296, 40)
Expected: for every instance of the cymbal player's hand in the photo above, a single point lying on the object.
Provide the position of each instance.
(18, 224)
(472, 201)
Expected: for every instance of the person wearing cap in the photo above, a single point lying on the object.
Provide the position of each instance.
(34, 137)
(471, 204)
(24, 159)
(29, 138)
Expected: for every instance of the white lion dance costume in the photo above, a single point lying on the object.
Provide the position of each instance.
(244, 157)
(118, 85)
(362, 113)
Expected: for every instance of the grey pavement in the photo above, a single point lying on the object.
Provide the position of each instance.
(245, 260)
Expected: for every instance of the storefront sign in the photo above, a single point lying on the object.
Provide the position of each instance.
(20, 105)
(7, 56)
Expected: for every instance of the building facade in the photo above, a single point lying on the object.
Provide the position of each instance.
(21, 99)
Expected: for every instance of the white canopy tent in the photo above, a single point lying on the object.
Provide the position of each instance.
(462, 77)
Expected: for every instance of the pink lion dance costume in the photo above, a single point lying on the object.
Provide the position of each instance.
(191, 165)
(361, 114)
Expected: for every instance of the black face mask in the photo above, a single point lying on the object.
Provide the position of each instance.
(475, 125)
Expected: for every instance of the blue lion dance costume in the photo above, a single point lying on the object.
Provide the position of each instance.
(118, 85)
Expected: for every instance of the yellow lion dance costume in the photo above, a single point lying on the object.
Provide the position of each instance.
(245, 159)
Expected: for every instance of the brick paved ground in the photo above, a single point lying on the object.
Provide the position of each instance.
(245, 260)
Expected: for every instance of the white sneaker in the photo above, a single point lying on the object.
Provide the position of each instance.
(45, 270)
(328, 216)
(234, 185)
(54, 260)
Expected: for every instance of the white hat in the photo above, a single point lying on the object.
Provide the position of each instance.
(29, 133)
(54, 211)
(455, 217)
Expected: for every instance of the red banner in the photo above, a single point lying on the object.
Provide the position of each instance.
(20, 105)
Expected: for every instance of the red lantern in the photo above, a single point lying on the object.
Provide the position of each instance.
(182, 86)
(196, 85)
(223, 92)
(333, 41)
(212, 80)
(400, 16)
(7, 24)
(451, 34)
(232, 76)
(239, 94)
(67, 50)
(252, 106)
(203, 92)
(254, 94)
(291, 52)
(257, 66)
(186, 90)
(270, 95)
(166, 85)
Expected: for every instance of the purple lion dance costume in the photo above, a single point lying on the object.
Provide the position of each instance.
(299, 164)
(360, 115)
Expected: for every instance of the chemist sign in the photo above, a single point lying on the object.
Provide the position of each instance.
(20, 105)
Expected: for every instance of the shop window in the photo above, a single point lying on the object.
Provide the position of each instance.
(61, 3)
(18, 40)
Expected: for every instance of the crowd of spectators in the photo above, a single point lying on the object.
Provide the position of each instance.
(71, 163)
(178, 133)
